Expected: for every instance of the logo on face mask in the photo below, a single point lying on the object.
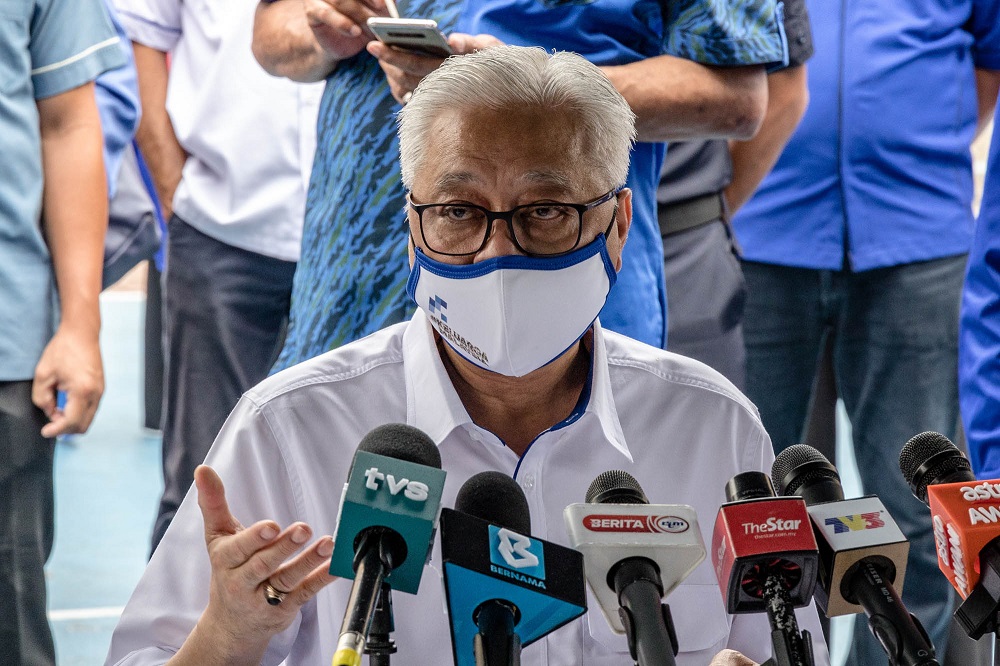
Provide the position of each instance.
(438, 306)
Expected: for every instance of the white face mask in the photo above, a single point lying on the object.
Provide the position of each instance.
(514, 314)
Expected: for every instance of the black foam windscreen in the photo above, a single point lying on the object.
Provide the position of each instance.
(403, 442)
(747, 486)
(497, 499)
(930, 458)
(615, 486)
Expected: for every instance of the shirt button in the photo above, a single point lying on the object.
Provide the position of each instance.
(529, 482)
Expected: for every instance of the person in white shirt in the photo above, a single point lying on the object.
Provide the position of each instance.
(230, 149)
(505, 366)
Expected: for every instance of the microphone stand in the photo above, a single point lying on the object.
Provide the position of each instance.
(791, 647)
(980, 612)
(380, 646)
(496, 644)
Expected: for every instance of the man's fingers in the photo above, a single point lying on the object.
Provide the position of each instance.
(321, 15)
(265, 561)
(410, 63)
(43, 391)
(314, 581)
(731, 658)
(214, 508)
(296, 571)
(76, 416)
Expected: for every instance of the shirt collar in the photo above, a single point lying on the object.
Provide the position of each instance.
(433, 405)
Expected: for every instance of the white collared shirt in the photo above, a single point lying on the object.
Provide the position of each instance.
(677, 426)
(250, 136)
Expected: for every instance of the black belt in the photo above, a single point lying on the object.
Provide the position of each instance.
(691, 213)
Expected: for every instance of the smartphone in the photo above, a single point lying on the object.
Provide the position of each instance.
(420, 35)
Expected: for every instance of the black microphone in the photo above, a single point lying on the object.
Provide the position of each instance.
(862, 554)
(385, 528)
(965, 513)
(505, 589)
(635, 554)
(766, 559)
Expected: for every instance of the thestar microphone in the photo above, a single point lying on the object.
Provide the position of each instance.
(862, 555)
(386, 526)
(505, 589)
(766, 560)
(965, 513)
(635, 554)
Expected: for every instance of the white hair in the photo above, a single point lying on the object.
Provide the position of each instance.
(515, 77)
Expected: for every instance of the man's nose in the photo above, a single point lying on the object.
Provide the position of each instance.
(499, 244)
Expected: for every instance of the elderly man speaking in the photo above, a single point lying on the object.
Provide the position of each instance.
(514, 160)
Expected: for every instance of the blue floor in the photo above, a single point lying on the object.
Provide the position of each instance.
(107, 488)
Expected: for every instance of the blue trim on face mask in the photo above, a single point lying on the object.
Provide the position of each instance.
(466, 271)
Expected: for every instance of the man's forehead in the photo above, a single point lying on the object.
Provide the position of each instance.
(554, 178)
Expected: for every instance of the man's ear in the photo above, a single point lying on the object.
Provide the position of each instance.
(409, 248)
(623, 222)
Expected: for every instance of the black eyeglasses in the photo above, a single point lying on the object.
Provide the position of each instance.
(537, 229)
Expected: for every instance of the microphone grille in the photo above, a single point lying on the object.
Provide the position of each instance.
(929, 457)
(403, 442)
(796, 456)
(497, 499)
(616, 486)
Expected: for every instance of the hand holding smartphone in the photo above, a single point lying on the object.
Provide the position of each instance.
(420, 35)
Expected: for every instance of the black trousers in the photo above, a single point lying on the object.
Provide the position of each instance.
(225, 317)
(26, 528)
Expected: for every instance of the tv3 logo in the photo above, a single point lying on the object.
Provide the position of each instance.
(856, 522)
(518, 552)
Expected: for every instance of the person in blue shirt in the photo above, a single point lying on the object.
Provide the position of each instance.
(686, 69)
(979, 330)
(53, 213)
(860, 233)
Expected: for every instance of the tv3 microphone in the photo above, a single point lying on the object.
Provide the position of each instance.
(635, 553)
(766, 560)
(862, 554)
(505, 589)
(385, 529)
(965, 513)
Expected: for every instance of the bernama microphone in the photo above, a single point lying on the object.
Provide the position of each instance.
(766, 560)
(965, 514)
(388, 516)
(635, 553)
(862, 554)
(505, 589)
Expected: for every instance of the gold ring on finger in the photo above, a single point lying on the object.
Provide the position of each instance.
(273, 595)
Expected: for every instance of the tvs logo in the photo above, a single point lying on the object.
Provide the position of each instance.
(414, 490)
(512, 551)
(437, 304)
(648, 524)
(856, 522)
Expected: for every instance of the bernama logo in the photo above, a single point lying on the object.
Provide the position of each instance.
(651, 524)
(771, 525)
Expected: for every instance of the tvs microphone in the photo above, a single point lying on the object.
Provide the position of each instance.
(386, 526)
(862, 554)
(965, 514)
(505, 589)
(635, 553)
(766, 560)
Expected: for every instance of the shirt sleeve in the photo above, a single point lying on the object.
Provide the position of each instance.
(985, 28)
(979, 336)
(798, 32)
(117, 93)
(173, 591)
(72, 42)
(726, 32)
(152, 23)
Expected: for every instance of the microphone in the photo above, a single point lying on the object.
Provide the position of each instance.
(386, 525)
(505, 589)
(965, 514)
(862, 554)
(635, 554)
(766, 559)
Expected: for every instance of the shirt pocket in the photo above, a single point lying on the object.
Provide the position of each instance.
(700, 622)
(14, 55)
